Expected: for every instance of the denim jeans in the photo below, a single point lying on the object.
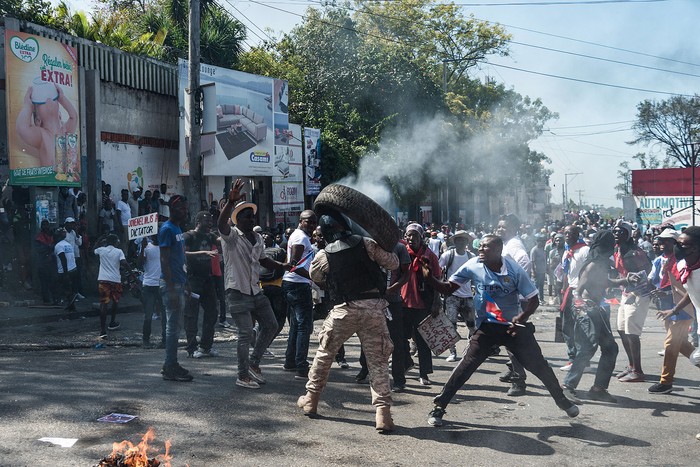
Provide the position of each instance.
(243, 309)
(592, 329)
(301, 323)
(151, 300)
(174, 311)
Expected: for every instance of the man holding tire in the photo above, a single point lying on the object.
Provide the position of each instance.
(349, 268)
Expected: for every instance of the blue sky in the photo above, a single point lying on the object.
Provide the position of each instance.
(591, 133)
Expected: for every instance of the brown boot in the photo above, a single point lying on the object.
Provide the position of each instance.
(308, 402)
(384, 422)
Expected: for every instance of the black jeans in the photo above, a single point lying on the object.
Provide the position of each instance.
(207, 300)
(523, 346)
(413, 317)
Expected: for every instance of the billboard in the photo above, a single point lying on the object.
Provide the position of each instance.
(312, 154)
(251, 115)
(43, 124)
(656, 210)
(288, 181)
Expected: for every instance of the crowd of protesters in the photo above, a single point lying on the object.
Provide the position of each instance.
(491, 277)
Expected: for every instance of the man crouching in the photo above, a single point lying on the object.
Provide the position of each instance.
(349, 268)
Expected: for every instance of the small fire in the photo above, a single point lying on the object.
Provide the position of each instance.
(125, 454)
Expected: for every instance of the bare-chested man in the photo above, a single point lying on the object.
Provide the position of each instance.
(592, 321)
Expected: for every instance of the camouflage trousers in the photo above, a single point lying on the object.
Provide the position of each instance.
(367, 319)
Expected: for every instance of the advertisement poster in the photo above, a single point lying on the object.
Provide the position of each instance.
(287, 181)
(251, 116)
(656, 210)
(42, 117)
(312, 152)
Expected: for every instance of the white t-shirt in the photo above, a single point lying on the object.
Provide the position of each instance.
(75, 241)
(576, 264)
(66, 248)
(434, 245)
(515, 250)
(465, 291)
(298, 237)
(125, 212)
(151, 267)
(164, 209)
(110, 258)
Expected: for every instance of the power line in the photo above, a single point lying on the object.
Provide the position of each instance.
(589, 134)
(604, 59)
(251, 22)
(578, 80)
(551, 3)
(590, 125)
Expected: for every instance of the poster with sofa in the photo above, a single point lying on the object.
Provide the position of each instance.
(243, 140)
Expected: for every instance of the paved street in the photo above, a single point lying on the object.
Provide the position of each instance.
(54, 383)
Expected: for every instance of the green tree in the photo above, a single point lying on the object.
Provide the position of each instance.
(673, 123)
(35, 11)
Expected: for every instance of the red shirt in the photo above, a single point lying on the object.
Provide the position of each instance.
(411, 290)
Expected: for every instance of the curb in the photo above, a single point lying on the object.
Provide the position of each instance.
(58, 315)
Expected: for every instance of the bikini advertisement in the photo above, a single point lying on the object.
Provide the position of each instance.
(42, 102)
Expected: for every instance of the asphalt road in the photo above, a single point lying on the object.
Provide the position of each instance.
(54, 383)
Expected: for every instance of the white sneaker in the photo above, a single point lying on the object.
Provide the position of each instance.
(80, 296)
(566, 367)
(451, 358)
(247, 383)
(661, 353)
(269, 354)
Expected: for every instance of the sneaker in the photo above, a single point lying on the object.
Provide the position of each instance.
(566, 367)
(361, 377)
(302, 374)
(113, 325)
(506, 376)
(659, 388)
(269, 354)
(343, 364)
(496, 350)
(247, 383)
(256, 374)
(103, 335)
(398, 388)
(435, 416)
(79, 296)
(633, 377)
(571, 395)
(516, 390)
(286, 367)
(624, 372)
(202, 353)
(225, 324)
(425, 381)
(661, 353)
(451, 358)
(569, 407)
(176, 373)
(601, 395)
(155, 317)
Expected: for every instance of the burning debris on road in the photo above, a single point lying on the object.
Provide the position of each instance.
(125, 454)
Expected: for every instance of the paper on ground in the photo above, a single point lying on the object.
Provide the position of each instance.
(63, 442)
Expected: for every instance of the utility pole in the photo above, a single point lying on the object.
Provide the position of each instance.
(194, 192)
(566, 186)
(580, 203)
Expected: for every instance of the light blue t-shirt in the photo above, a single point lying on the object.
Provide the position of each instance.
(504, 287)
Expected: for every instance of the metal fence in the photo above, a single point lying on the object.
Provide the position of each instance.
(114, 65)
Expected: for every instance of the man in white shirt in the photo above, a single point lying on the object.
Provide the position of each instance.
(76, 241)
(66, 267)
(460, 303)
(163, 204)
(149, 260)
(109, 280)
(513, 248)
(296, 286)
(123, 216)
